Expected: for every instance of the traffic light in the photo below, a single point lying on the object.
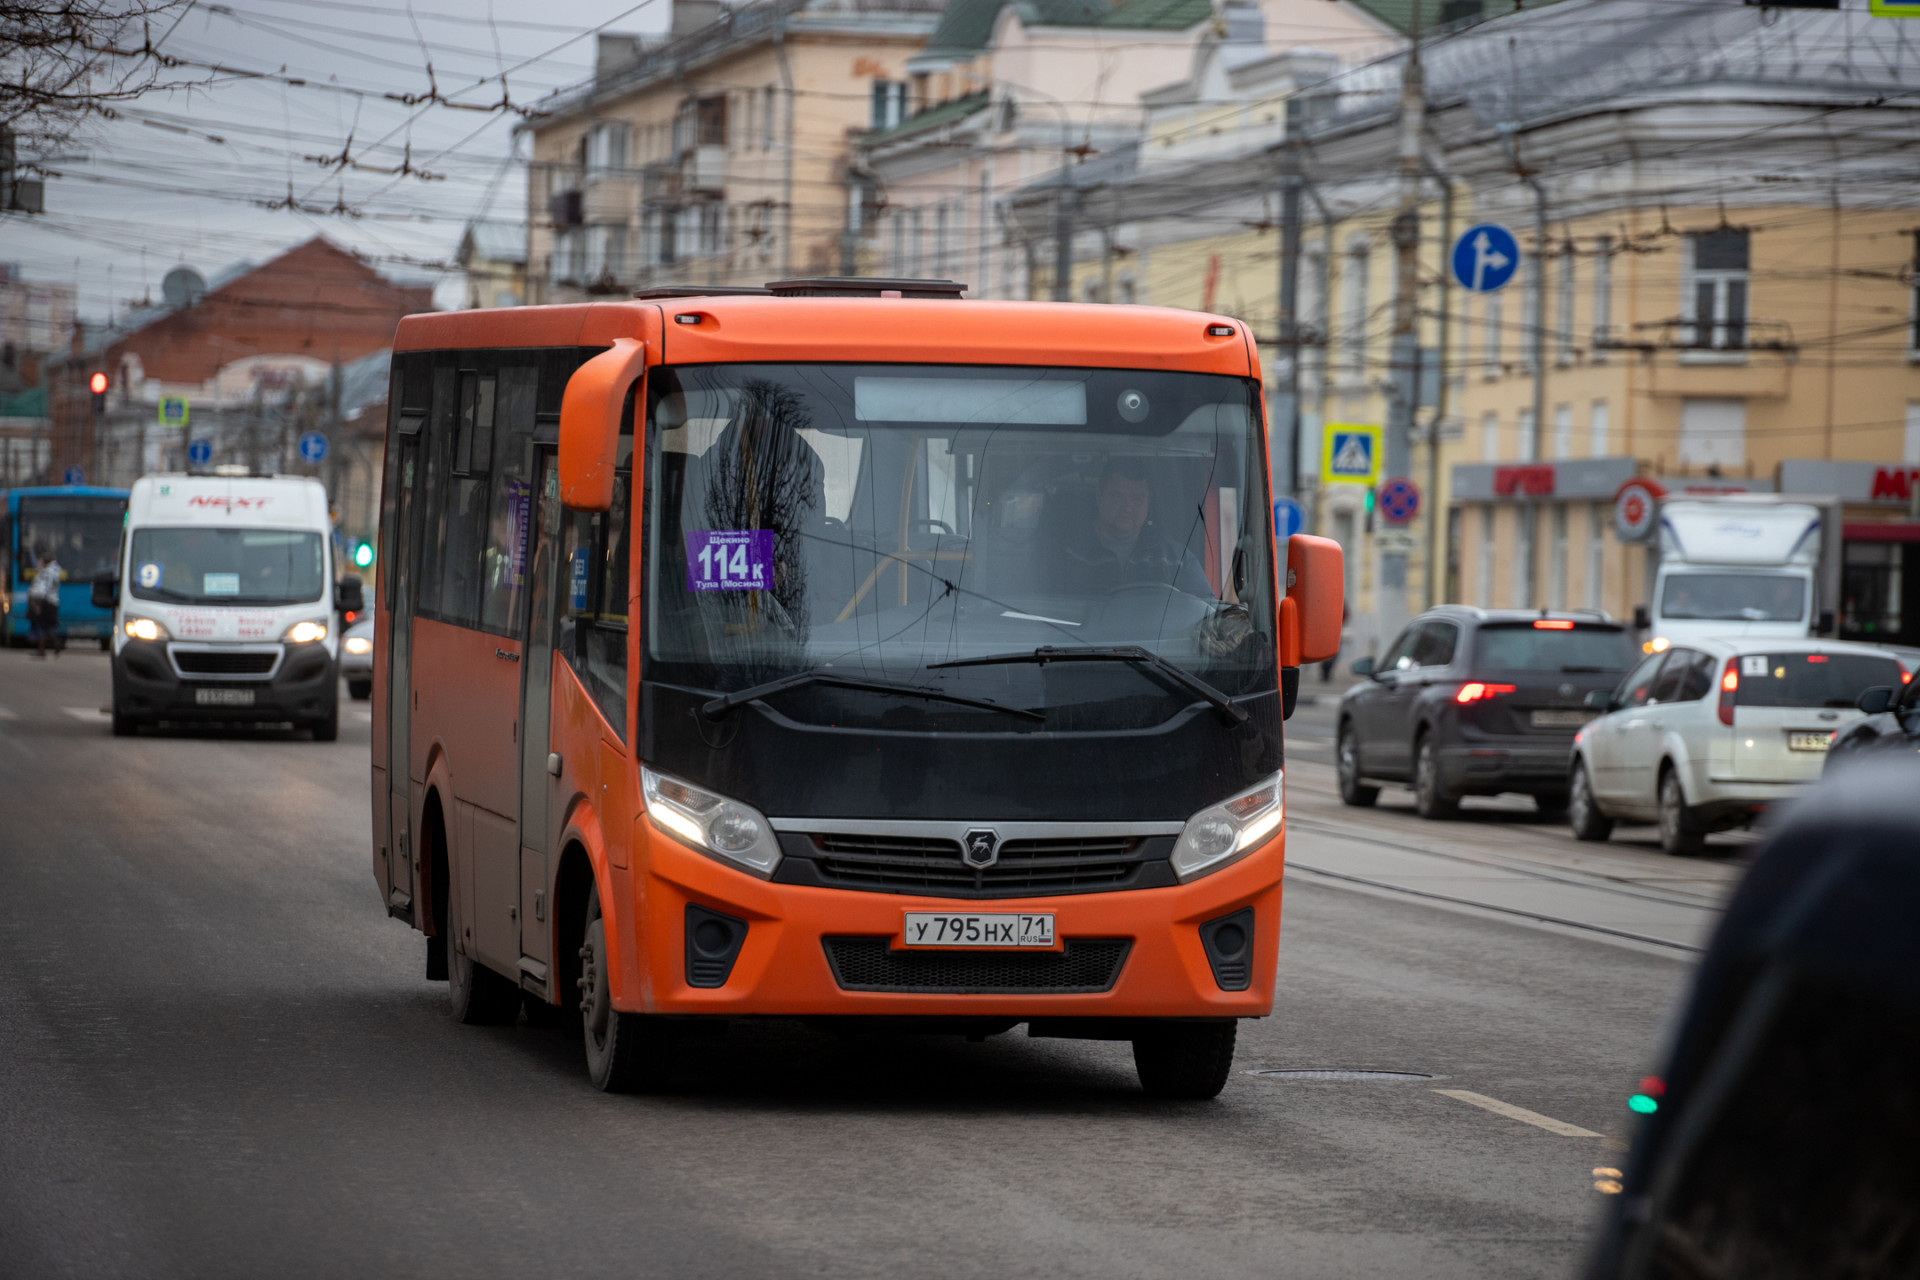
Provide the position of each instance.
(363, 555)
(98, 385)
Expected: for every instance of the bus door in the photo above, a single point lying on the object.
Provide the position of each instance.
(536, 693)
(399, 656)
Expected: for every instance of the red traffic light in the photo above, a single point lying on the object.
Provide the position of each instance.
(97, 384)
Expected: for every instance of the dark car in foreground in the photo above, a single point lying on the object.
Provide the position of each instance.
(1470, 701)
(1892, 724)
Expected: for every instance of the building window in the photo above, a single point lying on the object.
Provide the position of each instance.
(1353, 313)
(915, 228)
(889, 103)
(766, 118)
(1557, 567)
(1563, 431)
(1525, 519)
(1523, 425)
(1563, 309)
(606, 250)
(1602, 296)
(1489, 436)
(941, 220)
(1717, 300)
(1596, 555)
(569, 251)
(1483, 571)
(606, 149)
(1597, 430)
(713, 229)
(1713, 432)
(1492, 337)
(898, 259)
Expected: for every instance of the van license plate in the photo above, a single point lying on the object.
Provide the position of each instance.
(1809, 741)
(977, 929)
(1561, 719)
(223, 697)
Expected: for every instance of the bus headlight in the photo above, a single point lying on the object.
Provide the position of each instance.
(305, 632)
(1221, 835)
(718, 827)
(145, 629)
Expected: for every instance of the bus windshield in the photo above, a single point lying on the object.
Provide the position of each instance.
(187, 565)
(880, 520)
(83, 533)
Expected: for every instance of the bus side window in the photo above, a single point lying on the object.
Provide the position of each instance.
(466, 508)
(435, 454)
(593, 615)
(504, 568)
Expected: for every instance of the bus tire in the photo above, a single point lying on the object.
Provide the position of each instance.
(327, 727)
(360, 690)
(626, 1052)
(1189, 1060)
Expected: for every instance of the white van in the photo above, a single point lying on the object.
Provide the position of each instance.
(225, 606)
(1743, 566)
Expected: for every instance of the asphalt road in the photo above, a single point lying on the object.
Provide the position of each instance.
(218, 1057)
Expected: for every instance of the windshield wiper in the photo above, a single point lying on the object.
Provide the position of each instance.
(1110, 653)
(727, 702)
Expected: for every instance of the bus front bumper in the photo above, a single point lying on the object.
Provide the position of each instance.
(812, 951)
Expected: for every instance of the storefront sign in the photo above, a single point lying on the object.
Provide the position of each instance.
(1635, 508)
(1889, 482)
(1571, 479)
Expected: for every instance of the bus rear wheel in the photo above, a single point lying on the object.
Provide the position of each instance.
(626, 1052)
(1185, 1059)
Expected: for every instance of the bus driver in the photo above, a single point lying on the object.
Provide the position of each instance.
(1121, 547)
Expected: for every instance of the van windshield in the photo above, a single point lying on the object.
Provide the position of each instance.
(227, 566)
(1735, 597)
(882, 519)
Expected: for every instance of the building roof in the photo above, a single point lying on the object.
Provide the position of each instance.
(950, 112)
(493, 242)
(967, 25)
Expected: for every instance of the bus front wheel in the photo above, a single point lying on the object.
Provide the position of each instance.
(626, 1052)
(1185, 1059)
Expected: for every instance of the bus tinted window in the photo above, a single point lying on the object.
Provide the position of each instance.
(595, 561)
(83, 533)
(1523, 647)
(884, 518)
(228, 566)
(503, 569)
(1811, 679)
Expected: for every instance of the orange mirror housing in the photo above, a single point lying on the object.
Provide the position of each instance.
(1310, 613)
(590, 423)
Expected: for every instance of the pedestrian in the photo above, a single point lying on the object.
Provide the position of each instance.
(43, 601)
(1346, 636)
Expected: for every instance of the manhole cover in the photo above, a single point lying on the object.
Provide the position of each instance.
(1341, 1073)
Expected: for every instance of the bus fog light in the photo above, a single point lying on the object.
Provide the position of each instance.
(1224, 833)
(721, 828)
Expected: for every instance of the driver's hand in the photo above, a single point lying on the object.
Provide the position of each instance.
(1224, 630)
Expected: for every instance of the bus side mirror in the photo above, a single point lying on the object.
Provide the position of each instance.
(106, 591)
(1310, 613)
(349, 596)
(1875, 700)
(1599, 700)
(590, 424)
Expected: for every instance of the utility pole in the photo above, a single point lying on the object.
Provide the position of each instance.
(1063, 239)
(1390, 600)
(1537, 346)
(1287, 446)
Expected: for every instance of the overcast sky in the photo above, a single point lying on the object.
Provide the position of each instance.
(183, 178)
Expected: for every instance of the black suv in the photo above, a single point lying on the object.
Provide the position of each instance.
(1472, 701)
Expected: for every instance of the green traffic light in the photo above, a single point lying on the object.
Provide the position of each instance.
(1643, 1104)
(1369, 501)
(363, 554)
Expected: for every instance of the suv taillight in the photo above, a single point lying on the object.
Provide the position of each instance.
(1729, 685)
(1476, 691)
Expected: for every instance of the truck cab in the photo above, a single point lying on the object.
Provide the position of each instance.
(1740, 567)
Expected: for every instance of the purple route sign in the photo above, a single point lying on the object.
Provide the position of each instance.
(729, 559)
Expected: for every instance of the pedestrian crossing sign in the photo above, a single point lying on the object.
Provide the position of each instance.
(1894, 8)
(1350, 453)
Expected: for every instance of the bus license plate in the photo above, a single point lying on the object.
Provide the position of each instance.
(223, 697)
(1809, 741)
(977, 929)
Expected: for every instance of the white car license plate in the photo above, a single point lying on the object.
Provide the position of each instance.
(1809, 741)
(1561, 719)
(977, 929)
(223, 697)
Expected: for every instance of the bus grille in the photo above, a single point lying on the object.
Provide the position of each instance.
(205, 662)
(930, 865)
(870, 964)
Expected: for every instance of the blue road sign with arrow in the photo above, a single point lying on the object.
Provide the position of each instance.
(313, 447)
(200, 452)
(1485, 257)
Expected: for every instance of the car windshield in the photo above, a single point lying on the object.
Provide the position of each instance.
(83, 534)
(1735, 597)
(227, 566)
(1811, 679)
(1524, 647)
(882, 519)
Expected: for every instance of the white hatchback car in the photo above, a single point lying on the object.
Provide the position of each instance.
(1704, 736)
(356, 658)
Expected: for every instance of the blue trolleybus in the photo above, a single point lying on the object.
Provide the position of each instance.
(81, 525)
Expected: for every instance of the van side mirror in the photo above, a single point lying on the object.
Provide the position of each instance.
(1362, 666)
(1599, 699)
(106, 591)
(1310, 611)
(1824, 627)
(1875, 700)
(1641, 618)
(590, 412)
(349, 596)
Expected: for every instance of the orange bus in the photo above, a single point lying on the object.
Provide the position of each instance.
(839, 650)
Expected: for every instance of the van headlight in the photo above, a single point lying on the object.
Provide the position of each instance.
(1226, 832)
(357, 645)
(718, 827)
(305, 632)
(144, 629)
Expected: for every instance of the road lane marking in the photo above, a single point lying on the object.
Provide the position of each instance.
(7, 713)
(1521, 1114)
(90, 714)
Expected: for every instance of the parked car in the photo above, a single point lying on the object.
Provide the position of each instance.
(1471, 701)
(1702, 737)
(356, 658)
(1890, 721)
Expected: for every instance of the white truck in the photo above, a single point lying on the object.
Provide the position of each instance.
(1744, 566)
(225, 604)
